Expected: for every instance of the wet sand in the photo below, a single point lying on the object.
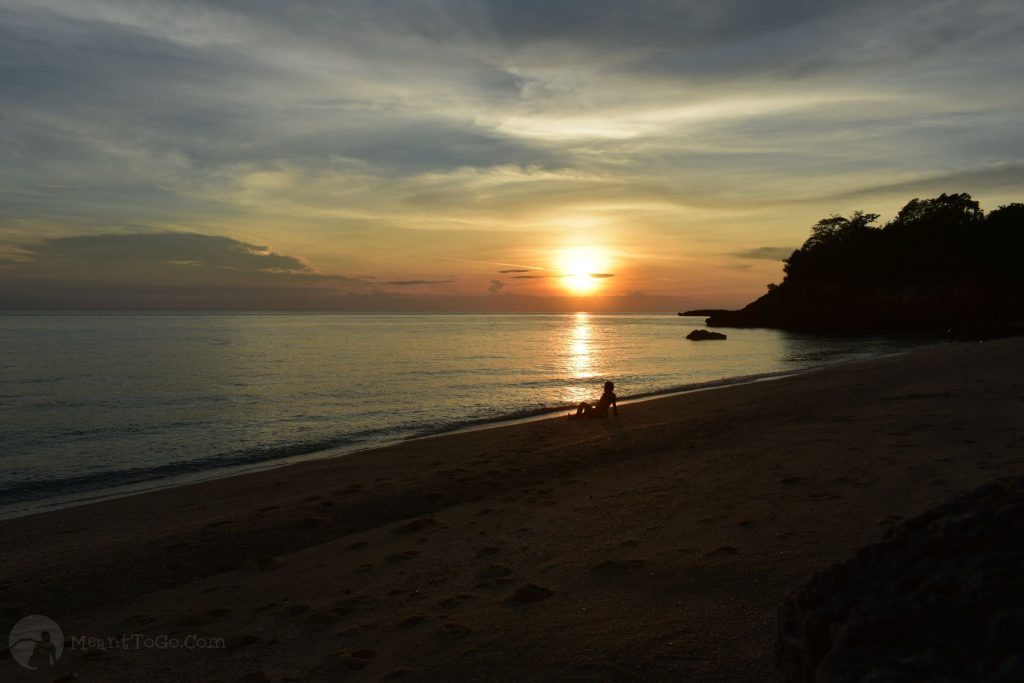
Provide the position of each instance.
(652, 546)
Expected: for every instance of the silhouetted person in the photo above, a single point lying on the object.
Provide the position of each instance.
(599, 409)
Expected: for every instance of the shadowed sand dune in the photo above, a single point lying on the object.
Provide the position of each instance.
(655, 546)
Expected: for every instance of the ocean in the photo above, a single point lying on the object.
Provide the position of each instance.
(95, 405)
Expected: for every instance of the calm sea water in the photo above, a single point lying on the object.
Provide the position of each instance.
(93, 405)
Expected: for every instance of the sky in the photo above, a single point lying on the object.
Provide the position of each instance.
(478, 154)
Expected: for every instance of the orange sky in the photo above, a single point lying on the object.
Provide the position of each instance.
(358, 154)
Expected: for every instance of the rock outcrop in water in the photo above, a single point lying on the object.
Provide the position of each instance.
(705, 335)
(942, 264)
(941, 598)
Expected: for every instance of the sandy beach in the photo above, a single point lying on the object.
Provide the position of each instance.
(657, 545)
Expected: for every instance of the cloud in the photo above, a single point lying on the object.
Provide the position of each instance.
(517, 270)
(766, 253)
(153, 269)
(208, 251)
(495, 287)
(352, 125)
(414, 283)
(545, 277)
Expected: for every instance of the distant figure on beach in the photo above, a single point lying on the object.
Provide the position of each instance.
(600, 409)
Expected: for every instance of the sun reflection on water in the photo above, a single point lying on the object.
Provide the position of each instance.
(579, 357)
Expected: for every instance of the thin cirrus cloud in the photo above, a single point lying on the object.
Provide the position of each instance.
(559, 275)
(765, 253)
(714, 127)
(414, 283)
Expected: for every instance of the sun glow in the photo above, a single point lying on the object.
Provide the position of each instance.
(582, 269)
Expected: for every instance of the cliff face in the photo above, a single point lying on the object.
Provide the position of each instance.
(940, 264)
(966, 308)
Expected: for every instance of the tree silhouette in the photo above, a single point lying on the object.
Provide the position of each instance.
(939, 263)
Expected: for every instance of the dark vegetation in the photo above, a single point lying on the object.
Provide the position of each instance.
(941, 264)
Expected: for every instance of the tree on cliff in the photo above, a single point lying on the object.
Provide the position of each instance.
(838, 248)
(939, 262)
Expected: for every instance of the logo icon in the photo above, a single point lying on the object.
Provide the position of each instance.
(36, 642)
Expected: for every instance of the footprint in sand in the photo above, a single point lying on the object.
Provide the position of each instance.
(295, 610)
(415, 526)
(240, 641)
(347, 605)
(529, 593)
(723, 551)
(889, 520)
(616, 566)
(265, 563)
(455, 600)
(218, 523)
(493, 576)
(361, 631)
(177, 547)
(399, 674)
(414, 620)
(321, 618)
(309, 523)
(348, 661)
(403, 555)
(206, 616)
(493, 571)
(457, 631)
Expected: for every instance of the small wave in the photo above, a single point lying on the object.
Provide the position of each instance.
(39, 489)
(549, 411)
(36, 492)
(460, 425)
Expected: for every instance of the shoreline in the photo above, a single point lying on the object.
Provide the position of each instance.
(654, 546)
(36, 506)
(88, 497)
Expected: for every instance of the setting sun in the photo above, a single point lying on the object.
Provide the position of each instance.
(582, 269)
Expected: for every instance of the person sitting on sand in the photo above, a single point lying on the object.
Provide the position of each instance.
(600, 409)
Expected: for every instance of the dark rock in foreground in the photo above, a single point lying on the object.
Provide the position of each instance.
(941, 598)
(704, 335)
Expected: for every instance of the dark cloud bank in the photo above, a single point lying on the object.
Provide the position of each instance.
(189, 271)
